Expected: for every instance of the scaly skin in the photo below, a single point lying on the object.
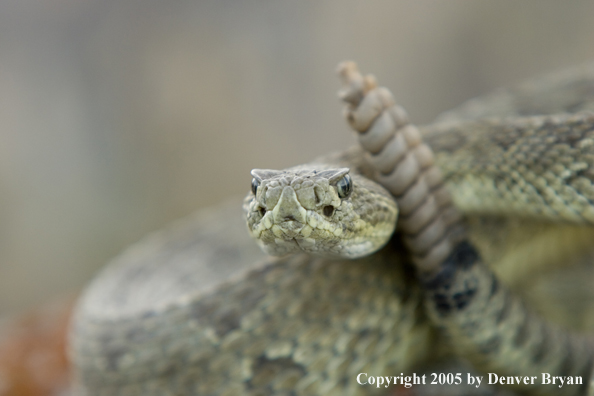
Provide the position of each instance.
(195, 310)
(536, 167)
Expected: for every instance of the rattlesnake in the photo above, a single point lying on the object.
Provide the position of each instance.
(196, 309)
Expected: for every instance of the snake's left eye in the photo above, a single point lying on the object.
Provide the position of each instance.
(255, 185)
(344, 186)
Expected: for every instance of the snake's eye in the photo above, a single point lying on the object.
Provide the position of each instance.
(344, 186)
(255, 185)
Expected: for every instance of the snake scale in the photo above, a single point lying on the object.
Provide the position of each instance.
(197, 309)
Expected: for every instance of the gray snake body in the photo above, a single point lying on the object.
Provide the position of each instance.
(196, 310)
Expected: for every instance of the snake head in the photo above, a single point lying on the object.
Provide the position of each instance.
(325, 212)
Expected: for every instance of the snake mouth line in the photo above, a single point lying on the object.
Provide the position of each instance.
(305, 244)
(289, 245)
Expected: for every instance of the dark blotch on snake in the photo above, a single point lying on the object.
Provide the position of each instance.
(441, 303)
(463, 256)
(462, 299)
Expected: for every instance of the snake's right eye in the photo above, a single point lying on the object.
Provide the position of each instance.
(255, 185)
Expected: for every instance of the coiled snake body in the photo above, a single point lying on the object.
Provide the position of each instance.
(198, 310)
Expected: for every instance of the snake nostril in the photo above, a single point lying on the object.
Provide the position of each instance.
(328, 210)
(262, 211)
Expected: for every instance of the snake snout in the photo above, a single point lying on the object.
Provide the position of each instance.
(288, 208)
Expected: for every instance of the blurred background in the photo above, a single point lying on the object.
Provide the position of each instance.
(118, 116)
